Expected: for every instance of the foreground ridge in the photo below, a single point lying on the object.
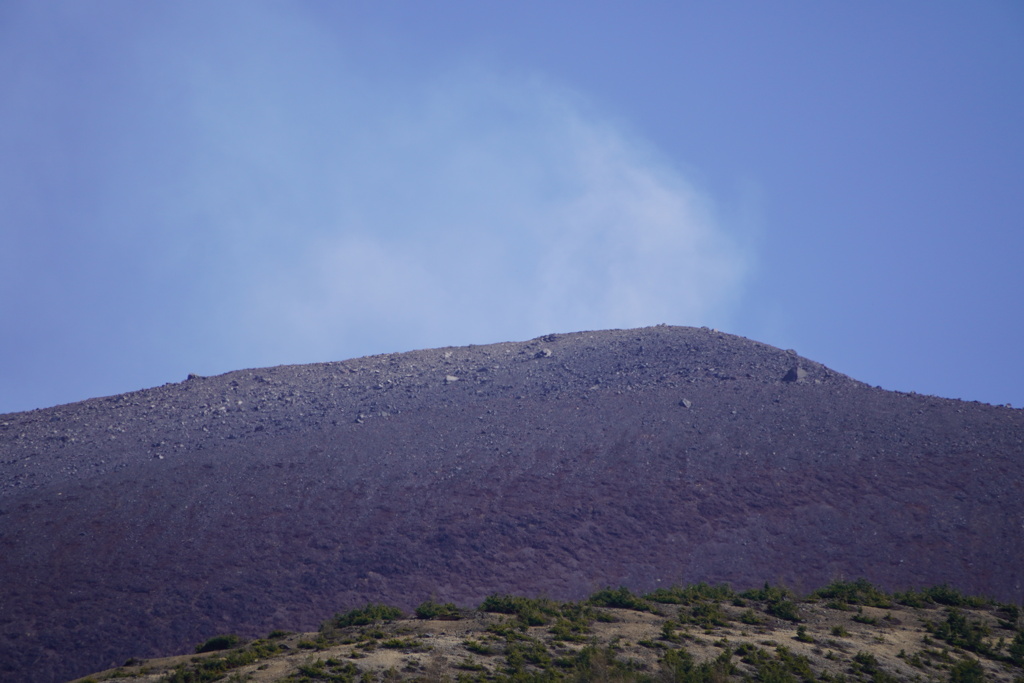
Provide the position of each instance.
(848, 631)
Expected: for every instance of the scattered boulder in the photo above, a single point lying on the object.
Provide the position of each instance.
(795, 374)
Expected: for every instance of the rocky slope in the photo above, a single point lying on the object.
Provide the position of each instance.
(140, 524)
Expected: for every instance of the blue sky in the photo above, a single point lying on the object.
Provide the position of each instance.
(203, 187)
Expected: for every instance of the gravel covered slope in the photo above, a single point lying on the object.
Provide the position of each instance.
(271, 498)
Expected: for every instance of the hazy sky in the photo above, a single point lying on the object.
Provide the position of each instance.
(209, 186)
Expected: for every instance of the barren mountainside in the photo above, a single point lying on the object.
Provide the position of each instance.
(141, 524)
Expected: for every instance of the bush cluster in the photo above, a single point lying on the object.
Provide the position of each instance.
(688, 595)
(432, 610)
(860, 592)
(204, 670)
(365, 616)
(778, 601)
(959, 631)
(528, 611)
(620, 598)
(939, 595)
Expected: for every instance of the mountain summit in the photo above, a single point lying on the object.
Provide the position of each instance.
(141, 524)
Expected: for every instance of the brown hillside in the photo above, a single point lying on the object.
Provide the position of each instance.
(697, 634)
(141, 524)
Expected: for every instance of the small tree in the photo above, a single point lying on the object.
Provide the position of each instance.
(967, 671)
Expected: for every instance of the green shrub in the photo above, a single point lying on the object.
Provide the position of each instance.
(967, 671)
(784, 609)
(768, 593)
(221, 642)
(1009, 616)
(774, 671)
(862, 618)
(748, 651)
(912, 598)
(594, 664)
(569, 630)
(687, 595)
(314, 669)
(467, 664)
(1015, 651)
(432, 610)
(951, 597)
(668, 631)
(679, 665)
(583, 613)
(867, 665)
(865, 662)
(365, 616)
(778, 599)
(503, 604)
(751, 618)
(215, 668)
(706, 615)
(620, 598)
(940, 595)
(859, 592)
(529, 612)
(509, 630)
(960, 631)
(797, 664)
(518, 654)
(477, 647)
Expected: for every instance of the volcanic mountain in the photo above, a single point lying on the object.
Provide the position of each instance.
(141, 524)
